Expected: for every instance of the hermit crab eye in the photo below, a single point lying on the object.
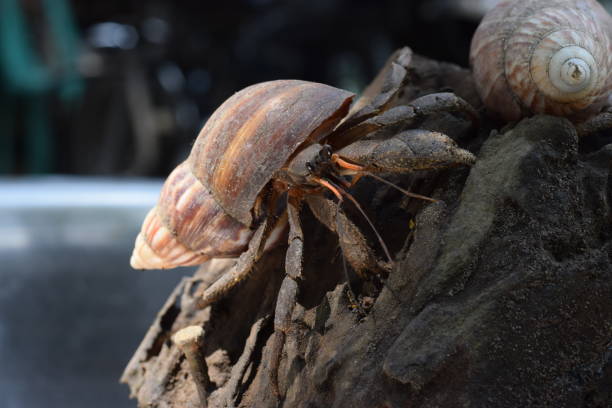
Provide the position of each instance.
(309, 167)
(327, 151)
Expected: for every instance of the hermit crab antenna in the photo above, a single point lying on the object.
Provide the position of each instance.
(406, 192)
(339, 192)
(330, 186)
(360, 171)
(346, 164)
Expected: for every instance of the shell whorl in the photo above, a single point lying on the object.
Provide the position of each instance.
(549, 56)
(187, 227)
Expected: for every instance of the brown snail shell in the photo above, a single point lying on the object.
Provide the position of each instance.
(252, 134)
(546, 56)
(187, 227)
(205, 209)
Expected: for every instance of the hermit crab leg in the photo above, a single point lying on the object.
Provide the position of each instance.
(340, 193)
(407, 151)
(379, 95)
(352, 242)
(243, 266)
(444, 102)
(287, 296)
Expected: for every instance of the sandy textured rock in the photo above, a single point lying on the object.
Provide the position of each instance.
(501, 295)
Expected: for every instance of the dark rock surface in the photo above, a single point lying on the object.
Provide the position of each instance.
(501, 295)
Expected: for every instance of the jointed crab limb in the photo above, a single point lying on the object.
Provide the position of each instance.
(401, 117)
(352, 242)
(411, 150)
(384, 124)
(379, 95)
(360, 172)
(243, 266)
(444, 102)
(294, 257)
(354, 247)
(287, 296)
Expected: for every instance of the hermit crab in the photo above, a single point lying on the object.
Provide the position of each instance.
(274, 146)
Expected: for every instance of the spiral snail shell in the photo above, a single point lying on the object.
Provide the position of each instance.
(546, 56)
(208, 203)
(187, 226)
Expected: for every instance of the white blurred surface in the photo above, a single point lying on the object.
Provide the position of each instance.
(72, 311)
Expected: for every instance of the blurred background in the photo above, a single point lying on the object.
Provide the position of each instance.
(101, 99)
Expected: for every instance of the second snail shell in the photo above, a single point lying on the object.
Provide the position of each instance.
(546, 56)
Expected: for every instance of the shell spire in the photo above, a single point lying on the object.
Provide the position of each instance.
(186, 227)
(549, 56)
(157, 248)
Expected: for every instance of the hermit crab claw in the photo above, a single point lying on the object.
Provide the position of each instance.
(411, 150)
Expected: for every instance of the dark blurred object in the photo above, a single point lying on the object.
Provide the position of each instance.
(469, 9)
(71, 309)
(38, 52)
(156, 70)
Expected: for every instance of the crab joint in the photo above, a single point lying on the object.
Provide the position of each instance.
(327, 184)
(189, 340)
(345, 164)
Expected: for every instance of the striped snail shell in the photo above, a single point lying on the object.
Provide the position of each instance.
(186, 227)
(545, 56)
(209, 203)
